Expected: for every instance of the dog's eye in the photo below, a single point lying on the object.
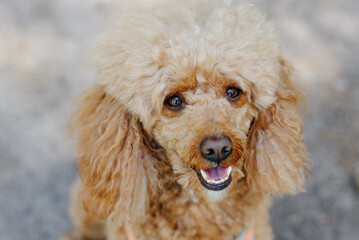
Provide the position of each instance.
(233, 92)
(174, 102)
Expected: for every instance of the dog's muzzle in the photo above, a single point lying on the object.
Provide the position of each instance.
(215, 149)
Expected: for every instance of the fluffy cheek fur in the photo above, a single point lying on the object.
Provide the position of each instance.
(116, 165)
(277, 157)
(182, 132)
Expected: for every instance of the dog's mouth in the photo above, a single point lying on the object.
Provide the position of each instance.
(216, 179)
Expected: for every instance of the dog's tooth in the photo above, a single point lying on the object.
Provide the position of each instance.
(229, 170)
(204, 175)
(223, 180)
(216, 181)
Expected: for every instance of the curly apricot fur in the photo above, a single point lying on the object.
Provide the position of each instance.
(137, 158)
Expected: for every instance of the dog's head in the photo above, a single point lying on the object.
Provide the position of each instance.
(205, 84)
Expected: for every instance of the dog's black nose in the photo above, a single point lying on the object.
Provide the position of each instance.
(216, 149)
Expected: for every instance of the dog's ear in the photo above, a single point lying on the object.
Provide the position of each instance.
(277, 161)
(116, 166)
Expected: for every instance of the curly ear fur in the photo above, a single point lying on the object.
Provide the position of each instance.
(115, 163)
(278, 157)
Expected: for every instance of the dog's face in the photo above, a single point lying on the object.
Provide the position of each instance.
(197, 89)
(207, 83)
(203, 125)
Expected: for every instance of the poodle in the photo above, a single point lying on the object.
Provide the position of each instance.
(193, 125)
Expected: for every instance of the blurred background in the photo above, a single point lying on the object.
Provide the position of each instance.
(45, 50)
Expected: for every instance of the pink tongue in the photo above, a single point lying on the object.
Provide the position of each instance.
(216, 173)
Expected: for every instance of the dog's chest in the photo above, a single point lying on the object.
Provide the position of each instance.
(182, 216)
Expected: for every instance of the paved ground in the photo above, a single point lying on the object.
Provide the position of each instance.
(44, 62)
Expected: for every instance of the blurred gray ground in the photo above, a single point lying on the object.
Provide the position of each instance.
(45, 61)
